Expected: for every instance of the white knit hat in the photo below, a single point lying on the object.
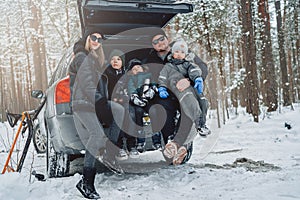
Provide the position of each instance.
(181, 46)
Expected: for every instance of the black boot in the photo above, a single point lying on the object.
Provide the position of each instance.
(86, 184)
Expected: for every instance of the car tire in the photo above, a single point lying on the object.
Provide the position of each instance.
(39, 140)
(58, 164)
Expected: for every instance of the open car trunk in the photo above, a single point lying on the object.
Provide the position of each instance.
(113, 17)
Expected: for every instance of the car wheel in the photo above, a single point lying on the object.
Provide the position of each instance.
(39, 140)
(58, 164)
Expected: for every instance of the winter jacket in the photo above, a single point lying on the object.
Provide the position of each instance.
(136, 83)
(176, 70)
(90, 88)
(156, 64)
(116, 82)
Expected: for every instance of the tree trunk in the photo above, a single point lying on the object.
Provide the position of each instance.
(290, 72)
(68, 22)
(223, 86)
(27, 79)
(283, 64)
(249, 51)
(14, 102)
(232, 71)
(2, 108)
(35, 24)
(269, 84)
(297, 50)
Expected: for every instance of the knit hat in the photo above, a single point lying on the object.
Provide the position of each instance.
(181, 46)
(133, 62)
(91, 30)
(157, 31)
(117, 52)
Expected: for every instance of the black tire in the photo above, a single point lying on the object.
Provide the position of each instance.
(39, 140)
(58, 164)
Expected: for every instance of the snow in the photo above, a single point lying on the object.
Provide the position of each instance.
(272, 170)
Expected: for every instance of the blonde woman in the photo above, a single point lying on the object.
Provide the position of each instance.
(91, 108)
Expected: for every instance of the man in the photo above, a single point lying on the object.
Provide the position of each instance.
(158, 57)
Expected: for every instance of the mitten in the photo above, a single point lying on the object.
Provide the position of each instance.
(163, 92)
(199, 85)
(149, 94)
(136, 100)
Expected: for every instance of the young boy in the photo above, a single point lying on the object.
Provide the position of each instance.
(176, 69)
(116, 75)
(139, 84)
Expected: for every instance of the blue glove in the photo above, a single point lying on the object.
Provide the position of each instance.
(199, 85)
(163, 92)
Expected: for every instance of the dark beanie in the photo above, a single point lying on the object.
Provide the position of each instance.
(117, 52)
(90, 30)
(150, 32)
(133, 62)
(156, 31)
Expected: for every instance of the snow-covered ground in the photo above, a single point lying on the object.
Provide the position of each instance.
(241, 160)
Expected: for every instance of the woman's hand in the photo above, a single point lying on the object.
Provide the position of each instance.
(183, 84)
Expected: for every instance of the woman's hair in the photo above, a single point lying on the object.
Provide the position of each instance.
(99, 53)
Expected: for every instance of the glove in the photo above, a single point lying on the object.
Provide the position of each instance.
(149, 94)
(163, 92)
(136, 100)
(199, 85)
(154, 87)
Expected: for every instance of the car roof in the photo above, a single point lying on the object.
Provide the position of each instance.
(113, 17)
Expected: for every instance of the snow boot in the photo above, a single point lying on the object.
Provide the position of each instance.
(203, 131)
(170, 149)
(86, 184)
(180, 155)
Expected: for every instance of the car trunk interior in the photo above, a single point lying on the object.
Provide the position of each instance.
(113, 17)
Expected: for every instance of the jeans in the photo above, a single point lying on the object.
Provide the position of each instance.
(92, 134)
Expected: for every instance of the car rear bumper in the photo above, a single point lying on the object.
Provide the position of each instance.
(63, 134)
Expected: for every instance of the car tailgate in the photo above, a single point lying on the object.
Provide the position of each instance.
(113, 17)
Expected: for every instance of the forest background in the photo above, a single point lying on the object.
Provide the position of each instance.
(252, 49)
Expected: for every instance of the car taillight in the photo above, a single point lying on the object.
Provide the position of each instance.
(62, 91)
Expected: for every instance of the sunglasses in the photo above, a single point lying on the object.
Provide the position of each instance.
(155, 42)
(95, 38)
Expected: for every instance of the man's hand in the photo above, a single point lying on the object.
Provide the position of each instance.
(183, 84)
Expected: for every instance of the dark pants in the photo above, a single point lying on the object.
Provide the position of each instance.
(164, 117)
(137, 114)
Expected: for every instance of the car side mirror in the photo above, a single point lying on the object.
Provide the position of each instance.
(37, 94)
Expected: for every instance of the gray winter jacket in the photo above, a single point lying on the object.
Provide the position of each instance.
(135, 82)
(175, 70)
(90, 90)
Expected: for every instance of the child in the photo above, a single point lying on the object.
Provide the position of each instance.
(116, 75)
(176, 69)
(139, 84)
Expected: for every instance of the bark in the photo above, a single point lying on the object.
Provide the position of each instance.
(39, 50)
(2, 109)
(269, 82)
(249, 52)
(27, 73)
(282, 55)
